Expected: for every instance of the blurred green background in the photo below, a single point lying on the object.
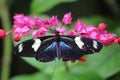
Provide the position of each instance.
(102, 66)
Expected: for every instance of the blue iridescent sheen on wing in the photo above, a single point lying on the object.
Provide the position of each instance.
(47, 52)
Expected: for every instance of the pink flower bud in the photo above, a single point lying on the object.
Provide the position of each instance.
(102, 26)
(2, 33)
(17, 37)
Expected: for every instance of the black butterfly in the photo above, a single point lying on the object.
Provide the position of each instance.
(47, 48)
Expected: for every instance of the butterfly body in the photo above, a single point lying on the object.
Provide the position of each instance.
(47, 48)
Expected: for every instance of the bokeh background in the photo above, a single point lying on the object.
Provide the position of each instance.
(102, 66)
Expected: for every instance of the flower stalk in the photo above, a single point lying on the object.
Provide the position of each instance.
(7, 45)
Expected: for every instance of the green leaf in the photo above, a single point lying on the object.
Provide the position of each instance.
(107, 62)
(39, 6)
(80, 75)
(35, 76)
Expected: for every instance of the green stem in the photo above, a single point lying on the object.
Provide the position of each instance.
(7, 52)
(66, 66)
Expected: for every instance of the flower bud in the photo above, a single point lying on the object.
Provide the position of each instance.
(2, 33)
(17, 37)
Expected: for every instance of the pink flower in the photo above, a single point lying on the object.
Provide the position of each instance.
(106, 39)
(40, 32)
(90, 28)
(72, 32)
(67, 19)
(41, 23)
(20, 20)
(24, 30)
(80, 27)
(23, 24)
(30, 22)
(54, 21)
(62, 30)
(17, 16)
(93, 34)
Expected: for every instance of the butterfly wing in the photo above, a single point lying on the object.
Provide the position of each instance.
(88, 45)
(75, 47)
(28, 47)
(25, 48)
(69, 49)
(47, 50)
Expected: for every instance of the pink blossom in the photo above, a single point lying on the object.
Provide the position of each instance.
(23, 24)
(62, 30)
(30, 22)
(17, 16)
(90, 28)
(106, 39)
(24, 30)
(54, 21)
(80, 27)
(72, 32)
(20, 20)
(40, 32)
(67, 19)
(41, 23)
(93, 34)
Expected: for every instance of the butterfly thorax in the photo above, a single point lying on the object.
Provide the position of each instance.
(57, 36)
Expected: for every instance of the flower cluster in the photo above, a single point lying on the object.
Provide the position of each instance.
(100, 33)
(24, 25)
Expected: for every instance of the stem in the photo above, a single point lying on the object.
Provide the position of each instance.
(7, 52)
(66, 66)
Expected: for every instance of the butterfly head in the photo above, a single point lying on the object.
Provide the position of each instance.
(57, 33)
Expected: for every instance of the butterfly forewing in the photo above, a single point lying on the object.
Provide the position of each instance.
(25, 49)
(89, 45)
(28, 48)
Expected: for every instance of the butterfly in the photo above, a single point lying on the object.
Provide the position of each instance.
(48, 48)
